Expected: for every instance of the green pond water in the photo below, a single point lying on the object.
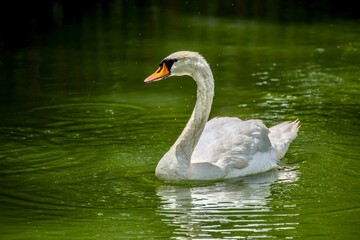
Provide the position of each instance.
(81, 134)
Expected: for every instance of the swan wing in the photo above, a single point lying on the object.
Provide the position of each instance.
(231, 142)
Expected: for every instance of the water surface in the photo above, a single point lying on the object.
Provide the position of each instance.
(81, 134)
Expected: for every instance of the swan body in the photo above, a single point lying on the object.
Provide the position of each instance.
(224, 147)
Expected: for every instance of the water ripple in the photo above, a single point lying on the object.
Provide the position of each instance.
(85, 111)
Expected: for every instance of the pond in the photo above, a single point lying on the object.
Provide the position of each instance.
(81, 134)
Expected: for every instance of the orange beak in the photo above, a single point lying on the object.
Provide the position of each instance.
(160, 73)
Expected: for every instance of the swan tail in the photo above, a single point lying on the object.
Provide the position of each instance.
(282, 135)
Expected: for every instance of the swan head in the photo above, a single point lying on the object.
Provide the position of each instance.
(178, 64)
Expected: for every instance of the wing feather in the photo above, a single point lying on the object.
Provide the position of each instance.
(231, 142)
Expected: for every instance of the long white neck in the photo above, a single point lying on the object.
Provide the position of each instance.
(185, 144)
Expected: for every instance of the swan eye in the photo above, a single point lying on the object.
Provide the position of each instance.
(168, 63)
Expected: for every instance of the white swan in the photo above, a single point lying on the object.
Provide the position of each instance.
(224, 147)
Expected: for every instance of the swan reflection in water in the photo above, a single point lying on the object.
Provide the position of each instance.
(237, 207)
